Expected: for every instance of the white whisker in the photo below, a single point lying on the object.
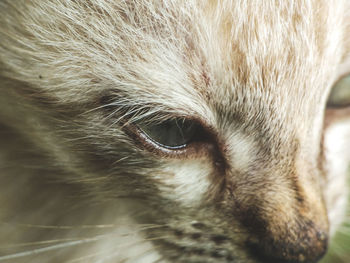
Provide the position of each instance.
(50, 248)
(69, 227)
(85, 257)
(72, 242)
(44, 242)
(61, 226)
(42, 250)
(158, 260)
(145, 252)
(115, 254)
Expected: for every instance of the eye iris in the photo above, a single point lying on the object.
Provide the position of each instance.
(173, 134)
(340, 94)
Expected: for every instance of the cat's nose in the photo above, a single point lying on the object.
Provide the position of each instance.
(308, 248)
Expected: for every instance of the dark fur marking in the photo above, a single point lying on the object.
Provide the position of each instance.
(219, 239)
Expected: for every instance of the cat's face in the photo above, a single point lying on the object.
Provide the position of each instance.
(210, 115)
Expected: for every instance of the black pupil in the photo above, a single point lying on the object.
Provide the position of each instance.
(173, 134)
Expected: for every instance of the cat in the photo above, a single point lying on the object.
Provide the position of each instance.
(173, 131)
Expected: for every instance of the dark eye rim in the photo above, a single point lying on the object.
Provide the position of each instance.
(160, 144)
(204, 142)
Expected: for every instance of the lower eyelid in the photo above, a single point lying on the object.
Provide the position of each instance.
(334, 115)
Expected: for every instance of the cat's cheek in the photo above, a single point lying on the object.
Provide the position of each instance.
(337, 154)
(185, 181)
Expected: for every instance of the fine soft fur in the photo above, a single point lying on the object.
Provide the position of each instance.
(76, 185)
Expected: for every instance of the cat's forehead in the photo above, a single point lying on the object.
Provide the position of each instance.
(191, 56)
(239, 52)
(270, 47)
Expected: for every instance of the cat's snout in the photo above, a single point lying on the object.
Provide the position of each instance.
(307, 246)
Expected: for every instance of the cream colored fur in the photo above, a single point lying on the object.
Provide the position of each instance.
(76, 187)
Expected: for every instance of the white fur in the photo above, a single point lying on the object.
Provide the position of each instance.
(338, 157)
(185, 181)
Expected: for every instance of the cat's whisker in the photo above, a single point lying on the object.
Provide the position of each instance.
(44, 242)
(72, 241)
(339, 252)
(339, 248)
(115, 254)
(60, 226)
(145, 252)
(68, 244)
(47, 249)
(160, 260)
(139, 228)
(344, 230)
(91, 180)
(86, 257)
(96, 108)
(80, 138)
(120, 160)
(117, 104)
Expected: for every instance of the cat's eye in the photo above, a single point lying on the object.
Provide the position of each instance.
(170, 134)
(340, 94)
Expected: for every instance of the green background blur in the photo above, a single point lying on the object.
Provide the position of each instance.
(339, 251)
